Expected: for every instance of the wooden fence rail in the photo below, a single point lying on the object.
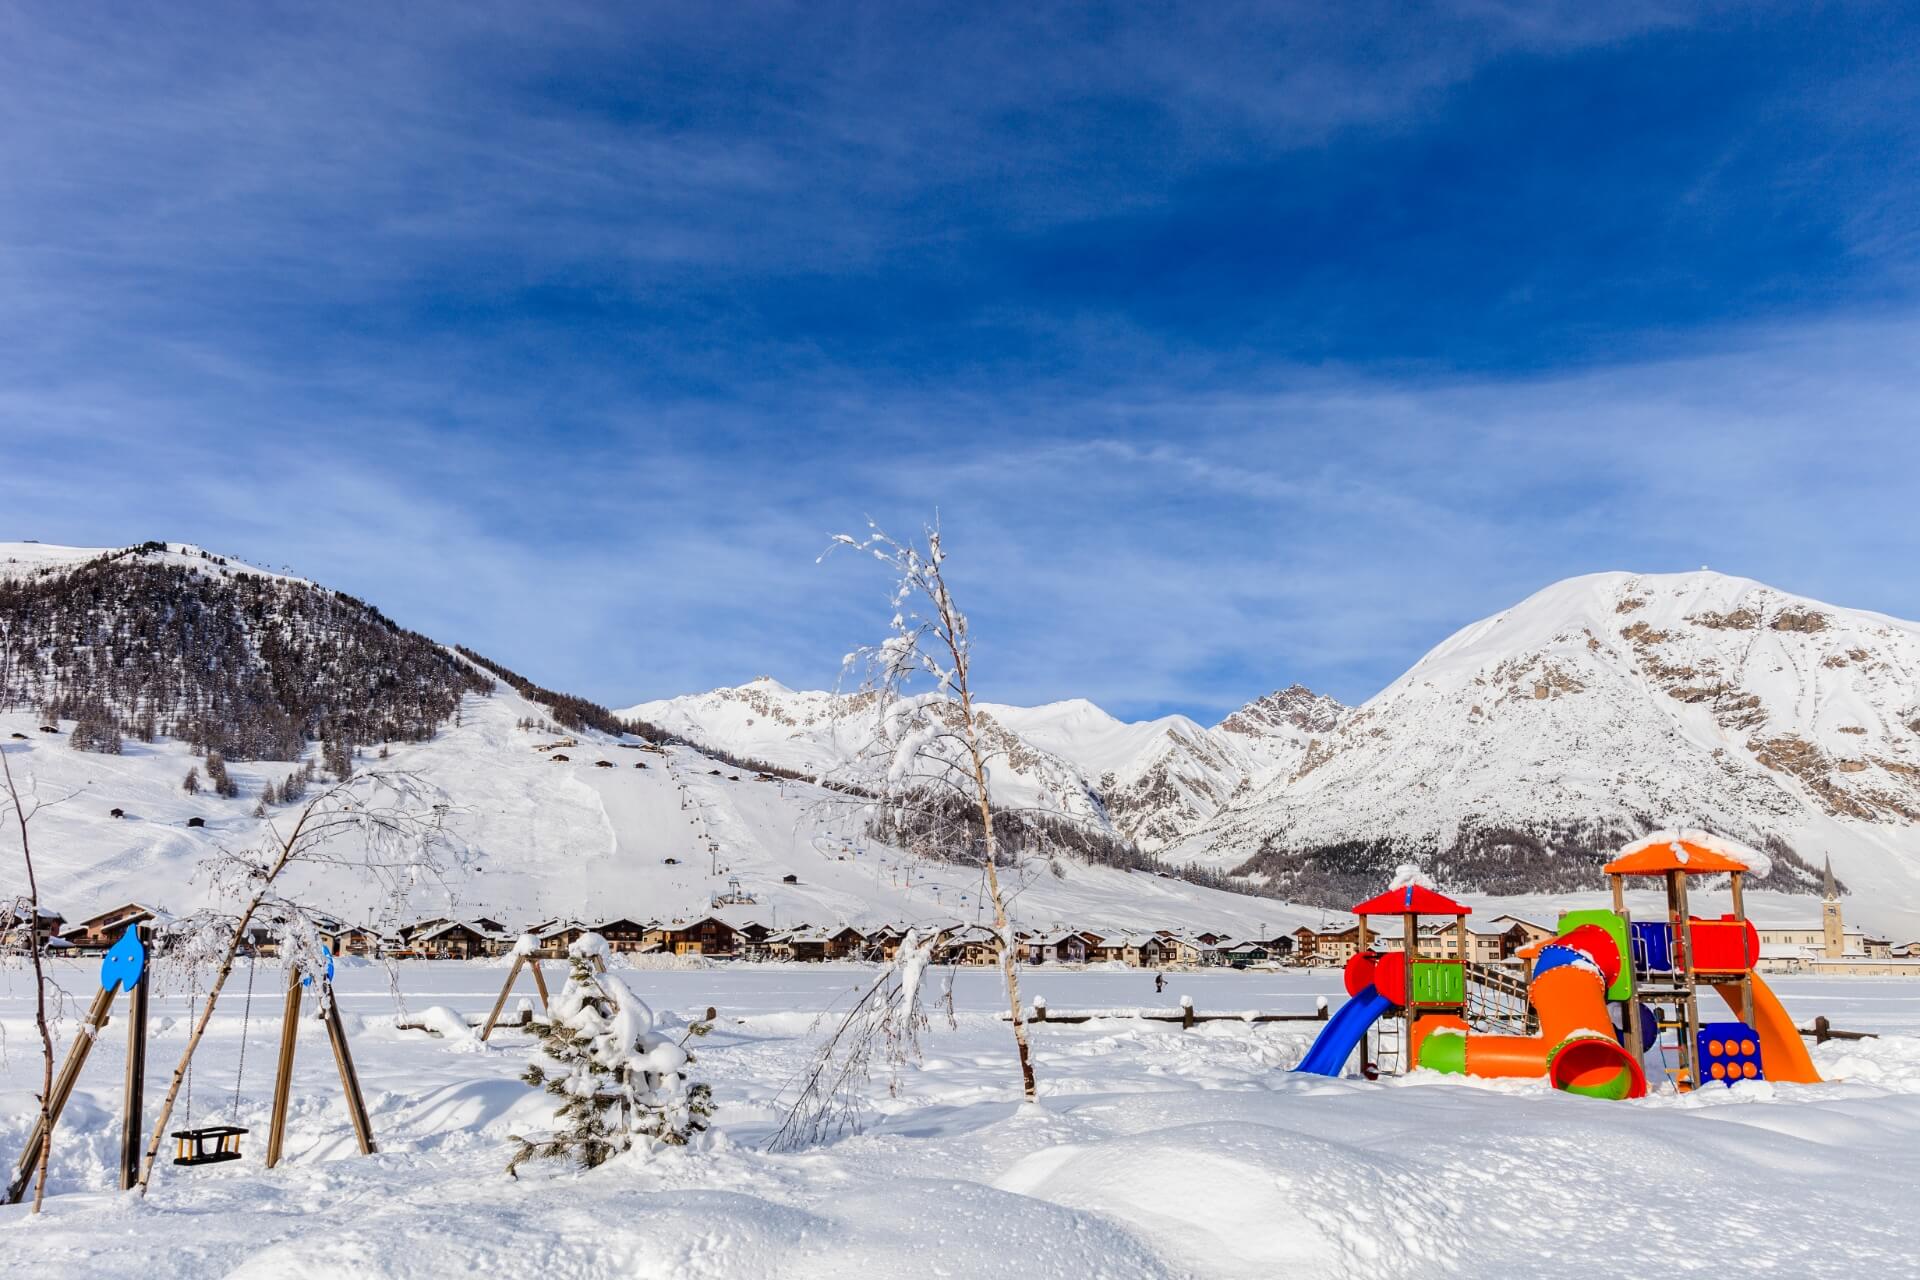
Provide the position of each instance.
(1823, 1031)
(1186, 1015)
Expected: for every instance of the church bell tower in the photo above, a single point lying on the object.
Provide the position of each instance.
(1830, 922)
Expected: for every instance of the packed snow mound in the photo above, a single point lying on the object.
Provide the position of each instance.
(1523, 750)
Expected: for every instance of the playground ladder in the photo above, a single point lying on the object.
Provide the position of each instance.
(1388, 1043)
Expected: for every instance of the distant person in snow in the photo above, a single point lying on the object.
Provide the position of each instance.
(1159, 983)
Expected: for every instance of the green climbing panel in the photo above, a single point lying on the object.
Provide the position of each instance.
(1438, 982)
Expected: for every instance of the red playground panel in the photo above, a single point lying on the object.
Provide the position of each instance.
(1725, 945)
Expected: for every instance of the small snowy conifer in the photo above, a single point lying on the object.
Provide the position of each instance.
(622, 1082)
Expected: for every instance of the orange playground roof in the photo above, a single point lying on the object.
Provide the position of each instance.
(1411, 899)
(1657, 857)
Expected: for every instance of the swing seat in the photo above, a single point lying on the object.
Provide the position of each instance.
(211, 1144)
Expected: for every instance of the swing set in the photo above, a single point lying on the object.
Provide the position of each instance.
(528, 959)
(126, 968)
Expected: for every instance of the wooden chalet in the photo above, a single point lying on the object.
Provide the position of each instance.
(556, 936)
(707, 936)
(1064, 946)
(805, 944)
(452, 940)
(17, 939)
(1239, 955)
(623, 934)
(1137, 950)
(97, 933)
(970, 944)
(883, 943)
(352, 940)
(845, 942)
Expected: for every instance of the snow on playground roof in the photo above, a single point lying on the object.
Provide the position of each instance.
(1695, 853)
(1414, 898)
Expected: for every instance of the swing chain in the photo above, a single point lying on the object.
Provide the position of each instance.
(246, 1016)
(193, 1019)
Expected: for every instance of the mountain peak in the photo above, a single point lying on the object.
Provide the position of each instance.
(1527, 743)
(1294, 709)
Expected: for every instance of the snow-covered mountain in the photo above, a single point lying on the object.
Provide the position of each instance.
(1510, 760)
(551, 813)
(1150, 781)
(1520, 750)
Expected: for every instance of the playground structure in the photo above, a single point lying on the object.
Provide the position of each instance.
(1602, 998)
(127, 966)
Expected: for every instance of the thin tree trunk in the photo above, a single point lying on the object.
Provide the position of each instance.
(1009, 972)
(1009, 968)
(39, 992)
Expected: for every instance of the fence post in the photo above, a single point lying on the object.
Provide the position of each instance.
(1320, 1008)
(1822, 1030)
(1039, 1008)
(1186, 1013)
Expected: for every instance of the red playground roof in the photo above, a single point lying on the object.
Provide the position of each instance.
(1412, 899)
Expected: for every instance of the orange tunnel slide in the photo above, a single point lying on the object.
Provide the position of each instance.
(1576, 1049)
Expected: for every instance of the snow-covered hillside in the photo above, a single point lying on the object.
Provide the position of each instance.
(1516, 753)
(537, 835)
(597, 827)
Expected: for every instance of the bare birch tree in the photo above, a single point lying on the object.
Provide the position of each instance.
(930, 745)
(380, 828)
(24, 915)
(887, 1017)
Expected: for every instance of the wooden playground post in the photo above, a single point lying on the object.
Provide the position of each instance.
(283, 1072)
(1631, 1015)
(136, 1081)
(539, 980)
(1746, 976)
(1690, 1006)
(501, 1001)
(342, 1060)
(62, 1090)
(349, 1078)
(506, 989)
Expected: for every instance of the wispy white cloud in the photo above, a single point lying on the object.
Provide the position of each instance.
(572, 340)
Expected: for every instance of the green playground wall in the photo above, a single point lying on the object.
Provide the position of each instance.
(1437, 982)
(1622, 987)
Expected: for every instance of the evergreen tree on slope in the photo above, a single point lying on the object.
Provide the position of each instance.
(623, 1083)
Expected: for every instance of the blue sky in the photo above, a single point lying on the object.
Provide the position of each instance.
(1234, 345)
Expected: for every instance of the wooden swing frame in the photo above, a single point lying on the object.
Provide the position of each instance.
(226, 1137)
(506, 989)
(76, 1059)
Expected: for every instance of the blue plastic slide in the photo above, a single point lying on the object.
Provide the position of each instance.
(1330, 1051)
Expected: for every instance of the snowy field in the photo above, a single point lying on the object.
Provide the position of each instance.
(1153, 1152)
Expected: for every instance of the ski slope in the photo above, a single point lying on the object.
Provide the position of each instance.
(534, 836)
